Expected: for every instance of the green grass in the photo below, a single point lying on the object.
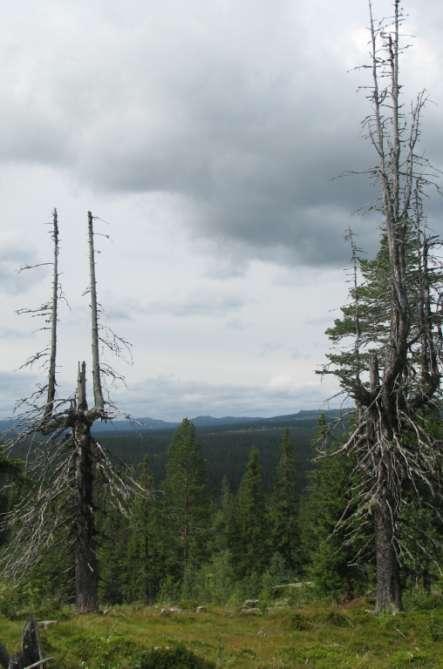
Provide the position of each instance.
(316, 636)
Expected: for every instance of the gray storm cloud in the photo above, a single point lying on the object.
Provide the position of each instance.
(244, 110)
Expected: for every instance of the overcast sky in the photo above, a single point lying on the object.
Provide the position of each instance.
(207, 135)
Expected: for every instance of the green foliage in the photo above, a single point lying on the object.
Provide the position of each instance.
(365, 321)
(186, 503)
(177, 657)
(131, 552)
(217, 579)
(145, 544)
(225, 449)
(11, 474)
(299, 622)
(329, 553)
(47, 586)
(33, 596)
(222, 520)
(421, 521)
(317, 635)
(214, 582)
(275, 575)
(283, 510)
(113, 572)
(249, 533)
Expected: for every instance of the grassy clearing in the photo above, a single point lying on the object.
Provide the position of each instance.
(315, 636)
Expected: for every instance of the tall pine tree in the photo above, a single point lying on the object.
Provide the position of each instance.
(329, 554)
(186, 503)
(283, 509)
(146, 543)
(248, 535)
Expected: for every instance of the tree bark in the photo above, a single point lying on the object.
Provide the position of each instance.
(4, 657)
(31, 644)
(95, 338)
(49, 408)
(31, 654)
(86, 576)
(388, 594)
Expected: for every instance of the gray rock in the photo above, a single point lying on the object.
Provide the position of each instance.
(251, 612)
(44, 624)
(250, 603)
(170, 610)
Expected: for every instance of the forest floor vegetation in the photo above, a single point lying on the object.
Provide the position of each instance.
(317, 635)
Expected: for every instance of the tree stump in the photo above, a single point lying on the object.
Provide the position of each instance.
(4, 657)
(31, 654)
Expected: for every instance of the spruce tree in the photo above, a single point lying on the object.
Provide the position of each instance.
(145, 545)
(112, 557)
(222, 519)
(186, 503)
(329, 553)
(283, 509)
(249, 545)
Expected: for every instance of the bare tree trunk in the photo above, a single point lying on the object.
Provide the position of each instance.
(31, 654)
(48, 411)
(86, 576)
(4, 657)
(95, 338)
(76, 474)
(388, 594)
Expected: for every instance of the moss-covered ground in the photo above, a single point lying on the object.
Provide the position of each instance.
(324, 637)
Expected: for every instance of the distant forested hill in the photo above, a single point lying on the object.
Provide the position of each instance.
(225, 443)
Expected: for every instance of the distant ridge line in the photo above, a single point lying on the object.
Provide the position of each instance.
(202, 421)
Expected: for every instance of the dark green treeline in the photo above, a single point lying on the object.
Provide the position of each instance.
(182, 541)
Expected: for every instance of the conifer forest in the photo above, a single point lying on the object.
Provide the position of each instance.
(306, 528)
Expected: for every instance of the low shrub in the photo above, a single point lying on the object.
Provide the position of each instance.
(436, 629)
(299, 622)
(333, 618)
(176, 657)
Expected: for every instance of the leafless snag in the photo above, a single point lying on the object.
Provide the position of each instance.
(67, 462)
(98, 392)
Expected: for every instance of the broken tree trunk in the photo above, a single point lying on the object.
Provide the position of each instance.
(30, 655)
(4, 657)
(95, 337)
(53, 308)
(85, 547)
(388, 593)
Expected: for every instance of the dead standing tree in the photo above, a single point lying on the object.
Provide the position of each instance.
(81, 420)
(396, 380)
(71, 459)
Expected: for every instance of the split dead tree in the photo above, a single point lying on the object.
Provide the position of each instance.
(393, 368)
(31, 654)
(68, 461)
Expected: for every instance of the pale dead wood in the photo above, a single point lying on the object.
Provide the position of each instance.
(395, 373)
(66, 462)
